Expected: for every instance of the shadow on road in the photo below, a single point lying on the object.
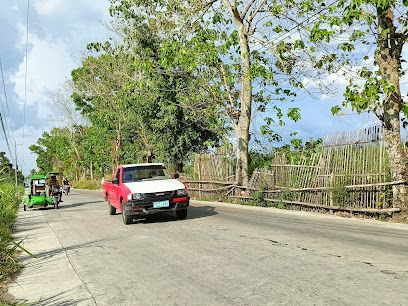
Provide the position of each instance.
(65, 298)
(63, 206)
(201, 212)
(193, 213)
(50, 254)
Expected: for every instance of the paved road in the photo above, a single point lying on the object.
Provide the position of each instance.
(222, 254)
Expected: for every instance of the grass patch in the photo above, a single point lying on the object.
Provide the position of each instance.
(10, 198)
(212, 198)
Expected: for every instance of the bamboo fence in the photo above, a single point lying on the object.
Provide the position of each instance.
(350, 173)
(215, 173)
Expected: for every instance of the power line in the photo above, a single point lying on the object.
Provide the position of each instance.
(8, 109)
(25, 84)
(5, 137)
(4, 128)
(2, 107)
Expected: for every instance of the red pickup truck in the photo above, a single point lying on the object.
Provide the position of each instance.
(138, 190)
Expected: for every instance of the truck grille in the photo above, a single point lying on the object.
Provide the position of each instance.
(159, 195)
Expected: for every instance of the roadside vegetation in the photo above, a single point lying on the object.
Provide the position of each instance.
(87, 184)
(10, 198)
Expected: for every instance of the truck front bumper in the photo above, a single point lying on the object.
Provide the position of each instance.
(142, 208)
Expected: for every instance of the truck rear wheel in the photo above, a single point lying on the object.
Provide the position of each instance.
(127, 219)
(111, 209)
(181, 213)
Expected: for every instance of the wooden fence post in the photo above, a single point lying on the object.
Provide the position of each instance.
(331, 197)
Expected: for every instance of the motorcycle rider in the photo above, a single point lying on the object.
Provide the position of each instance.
(55, 182)
(66, 184)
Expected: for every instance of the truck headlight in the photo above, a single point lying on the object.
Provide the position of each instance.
(182, 192)
(134, 196)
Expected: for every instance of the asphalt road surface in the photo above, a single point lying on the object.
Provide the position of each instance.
(222, 254)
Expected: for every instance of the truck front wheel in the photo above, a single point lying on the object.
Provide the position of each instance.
(127, 219)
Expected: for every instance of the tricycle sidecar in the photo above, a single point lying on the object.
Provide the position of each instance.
(37, 194)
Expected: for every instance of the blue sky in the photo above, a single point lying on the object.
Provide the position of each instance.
(58, 32)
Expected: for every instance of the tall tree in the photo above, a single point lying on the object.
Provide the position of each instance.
(53, 150)
(369, 35)
(217, 41)
(124, 92)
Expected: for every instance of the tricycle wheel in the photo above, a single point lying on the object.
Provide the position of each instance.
(127, 219)
(56, 202)
(181, 213)
(111, 209)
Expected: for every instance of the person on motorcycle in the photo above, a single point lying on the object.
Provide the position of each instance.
(66, 184)
(55, 182)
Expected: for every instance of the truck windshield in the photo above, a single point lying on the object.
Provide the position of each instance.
(144, 173)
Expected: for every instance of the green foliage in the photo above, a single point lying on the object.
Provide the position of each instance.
(382, 217)
(10, 198)
(8, 172)
(205, 40)
(213, 198)
(134, 108)
(299, 151)
(257, 199)
(259, 160)
(53, 150)
(285, 196)
(281, 204)
(386, 196)
(348, 27)
(136, 104)
(340, 195)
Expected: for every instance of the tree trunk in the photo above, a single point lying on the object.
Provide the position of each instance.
(242, 134)
(117, 146)
(91, 170)
(244, 121)
(388, 56)
(178, 167)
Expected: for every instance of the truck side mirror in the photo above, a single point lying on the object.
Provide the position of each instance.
(115, 181)
(176, 175)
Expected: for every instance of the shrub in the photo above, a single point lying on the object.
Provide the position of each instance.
(10, 198)
(87, 184)
(257, 198)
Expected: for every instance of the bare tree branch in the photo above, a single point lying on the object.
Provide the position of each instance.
(227, 87)
(252, 16)
(247, 8)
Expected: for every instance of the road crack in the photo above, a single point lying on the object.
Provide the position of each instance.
(397, 275)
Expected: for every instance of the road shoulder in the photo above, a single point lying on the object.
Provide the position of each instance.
(49, 279)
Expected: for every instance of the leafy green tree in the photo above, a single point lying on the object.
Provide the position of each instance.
(53, 151)
(131, 100)
(367, 36)
(5, 167)
(217, 41)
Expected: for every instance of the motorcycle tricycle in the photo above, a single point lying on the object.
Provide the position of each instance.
(42, 192)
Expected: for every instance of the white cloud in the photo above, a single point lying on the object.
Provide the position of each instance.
(49, 7)
(58, 32)
(48, 64)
